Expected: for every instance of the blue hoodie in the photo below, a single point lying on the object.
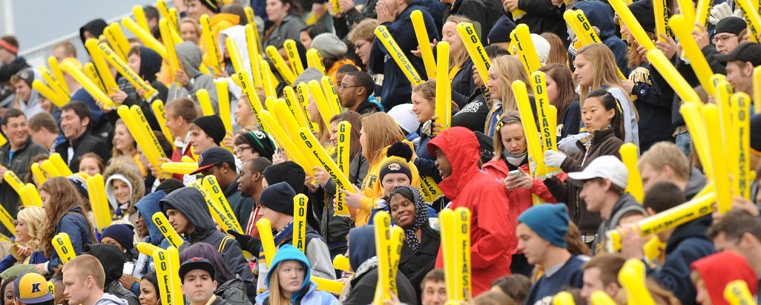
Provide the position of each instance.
(147, 206)
(600, 14)
(307, 294)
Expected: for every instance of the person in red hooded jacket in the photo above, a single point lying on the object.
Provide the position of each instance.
(711, 275)
(492, 232)
(510, 154)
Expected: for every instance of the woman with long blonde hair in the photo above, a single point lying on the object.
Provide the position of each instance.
(31, 221)
(378, 132)
(596, 69)
(504, 70)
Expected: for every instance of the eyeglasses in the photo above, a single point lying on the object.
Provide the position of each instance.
(343, 86)
(242, 149)
(722, 38)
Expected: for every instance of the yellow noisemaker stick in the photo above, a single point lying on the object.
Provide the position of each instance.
(169, 233)
(386, 283)
(300, 221)
(268, 243)
(294, 106)
(216, 192)
(696, 125)
(737, 293)
(49, 168)
(59, 164)
(672, 76)
(601, 298)
(146, 248)
(526, 50)
(253, 98)
(49, 93)
(563, 298)
(660, 12)
(447, 231)
(223, 100)
(148, 140)
(697, 207)
(88, 85)
(586, 33)
(314, 60)
(293, 56)
(58, 85)
(139, 13)
(302, 92)
(13, 180)
(683, 31)
(718, 159)
(331, 95)
(249, 14)
(757, 89)
(294, 151)
(92, 74)
(126, 71)
(252, 22)
(267, 81)
(166, 37)
(179, 167)
(212, 49)
(425, 44)
(7, 220)
(326, 112)
(144, 36)
(235, 58)
(741, 114)
(280, 65)
(628, 154)
(104, 72)
(96, 191)
(38, 174)
(26, 199)
(216, 211)
(253, 53)
(702, 11)
(462, 252)
(529, 128)
(475, 49)
(56, 70)
(164, 13)
(634, 26)
(443, 92)
(546, 125)
(168, 277)
(342, 155)
(116, 38)
(341, 262)
(207, 108)
(311, 142)
(34, 194)
(632, 277)
(160, 114)
(752, 18)
(393, 49)
(62, 244)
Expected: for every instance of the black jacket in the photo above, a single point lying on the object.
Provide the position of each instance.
(363, 289)
(366, 107)
(542, 16)
(19, 164)
(112, 259)
(473, 9)
(473, 114)
(233, 292)
(84, 144)
(416, 265)
(462, 83)
(654, 108)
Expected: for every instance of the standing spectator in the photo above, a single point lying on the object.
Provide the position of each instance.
(362, 36)
(600, 15)
(112, 259)
(561, 94)
(28, 99)
(9, 47)
(220, 163)
(541, 16)
(190, 77)
(75, 124)
(286, 17)
(206, 132)
(250, 186)
(179, 115)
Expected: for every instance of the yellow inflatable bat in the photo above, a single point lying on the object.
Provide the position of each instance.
(696, 125)
(601, 298)
(563, 298)
(139, 13)
(164, 13)
(169, 43)
(475, 49)
(326, 111)
(34, 194)
(294, 106)
(59, 164)
(49, 93)
(661, 14)
(300, 221)
(294, 151)
(216, 192)
(398, 55)
(144, 36)
(386, 282)
(168, 275)
(146, 248)
(280, 65)
(667, 70)
(529, 128)
(737, 293)
(179, 167)
(683, 31)
(447, 230)
(116, 38)
(235, 58)
(752, 18)
(331, 95)
(443, 91)
(718, 159)
(342, 155)
(334, 287)
(251, 96)
(207, 108)
(49, 168)
(757, 89)
(101, 212)
(126, 71)
(215, 209)
(169, 233)
(462, 253)
(741, 114)
(104, 72)
(268, 243)
(252, 43)
(223, 100)
(38, 174)
(425, 44)
(314, 146)
(92, 74)
(7, 220)
(653, 248)
(13, 180)
(88, 85)
(547, 128)
(702, 12)
(634, 27)
(632, 277)
(293, 56)
(302, 92)
(267, 81)
(160, 114)
(56, 70)
(57, 85)
(525, 48)
(341, 262)
(63, 247)
(210, 41)
(314, 60)
(628, 154)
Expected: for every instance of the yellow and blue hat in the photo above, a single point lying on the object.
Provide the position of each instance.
(32, 288)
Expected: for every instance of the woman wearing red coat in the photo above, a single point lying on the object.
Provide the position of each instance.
(510, 154)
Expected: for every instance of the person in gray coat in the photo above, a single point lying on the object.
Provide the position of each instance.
(190, 77)
(288, 23)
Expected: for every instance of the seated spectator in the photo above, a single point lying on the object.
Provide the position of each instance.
(289, 281)
(86, 273)
(711, 275)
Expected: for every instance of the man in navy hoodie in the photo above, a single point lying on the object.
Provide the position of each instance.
(395, 16)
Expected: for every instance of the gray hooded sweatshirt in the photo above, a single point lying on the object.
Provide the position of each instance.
(110, 299)
(191, 56)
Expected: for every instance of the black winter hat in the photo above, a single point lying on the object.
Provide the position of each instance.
(732, 25)
(643, 12)
(278, 197)
(261, 142)
(501, 30)
(288, 172)
(213, 127)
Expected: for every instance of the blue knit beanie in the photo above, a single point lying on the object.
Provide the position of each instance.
(550, 221)
(122, 233)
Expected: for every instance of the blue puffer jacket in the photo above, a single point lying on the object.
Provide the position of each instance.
(307, 295)
(74, 224)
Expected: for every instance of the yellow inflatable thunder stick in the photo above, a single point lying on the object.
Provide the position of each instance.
(169, 233)
(168, 272)
(628, 154)
(280, 65)
(164, 13)
(116, 38)
(723, 93)
(425, 44)
(59, 164)
(49, 93)
(139, 13)
(268, 243)
(126, 71)
(475, 49)
(341, 262)
(701, 13)
(546, 127)
(529, 127)
(293, 56)
(718, 159)
(13, 180)
(563, 298)
(34, 196)
(160, 114)
(7, 220)
(250, 16)
(267, 80)
(302, 93)
(343, 148)
(653, 248)
(49, 168)
(26, 199)
(104, 72)
(38, 174)
(146, 248)
(752, 18)
(581, 27)
(697, 127)
(252, 45)
(58, 86)
(99, 205)
(269, 103)
(207, 108)
(144, 36)
(235, 57)
(384, 249)
(673, 217)
(393, 49)
(683, 31)
(253, 98)
(314, 60)
(331, 95)
(634, 27)
(757, 89)
(294, 106)
(149, 137)
(443, 98)
(660, 10)
(212, 49)
(462, 253)
(88, 85)
(135, 129)
(525, 47)
(296, 152)
(223, 100)
(336, 6)
(447, 231)
(216, 193)
(632, 278)
(326, 112)
(92, 74)
(56, 70)
(169, 43)
(601, 298)
(299, 221)
(741, 129)
(62, 244)
(179, 167)
(737, 293)
(316, 150)
(672, 76)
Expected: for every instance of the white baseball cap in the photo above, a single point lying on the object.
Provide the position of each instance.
(602, 167)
